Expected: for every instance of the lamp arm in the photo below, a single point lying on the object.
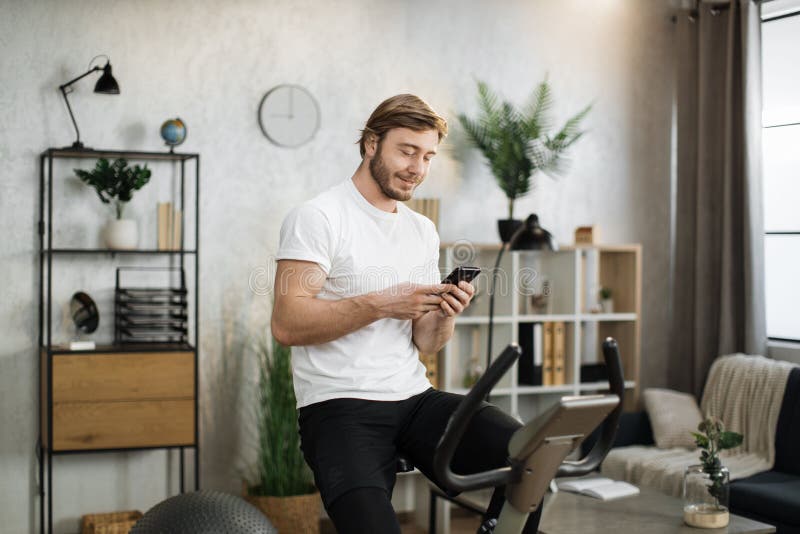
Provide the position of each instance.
(491, 308)
(71, 116)
(63, 88)
(85, 74)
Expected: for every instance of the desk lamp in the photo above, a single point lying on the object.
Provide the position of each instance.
(106, 84)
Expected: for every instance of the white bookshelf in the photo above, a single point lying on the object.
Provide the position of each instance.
(575, 275)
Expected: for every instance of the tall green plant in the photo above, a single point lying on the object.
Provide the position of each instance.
(281, 468)
(516, 143)
(115, 182)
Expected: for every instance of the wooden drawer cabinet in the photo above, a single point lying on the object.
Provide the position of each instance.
(121, 400)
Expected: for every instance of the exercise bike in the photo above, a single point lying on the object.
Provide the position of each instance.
(538, 450)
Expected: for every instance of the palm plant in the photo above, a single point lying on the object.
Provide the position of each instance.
(516, 143)
(281, 470)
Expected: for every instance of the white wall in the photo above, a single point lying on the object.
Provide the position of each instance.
(210, 62)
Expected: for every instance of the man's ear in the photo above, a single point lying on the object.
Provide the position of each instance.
(371, 145)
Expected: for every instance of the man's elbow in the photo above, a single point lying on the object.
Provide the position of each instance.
(280, 332)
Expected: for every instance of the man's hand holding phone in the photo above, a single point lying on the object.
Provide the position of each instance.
(457, 299)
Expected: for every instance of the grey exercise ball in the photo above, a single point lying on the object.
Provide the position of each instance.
(204, 512)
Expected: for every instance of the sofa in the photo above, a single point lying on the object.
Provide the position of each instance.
(772, 496)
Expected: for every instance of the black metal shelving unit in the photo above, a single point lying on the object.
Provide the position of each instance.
(47, 255)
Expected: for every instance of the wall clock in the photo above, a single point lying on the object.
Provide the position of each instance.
(288, 115)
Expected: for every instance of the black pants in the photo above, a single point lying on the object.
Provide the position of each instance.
(352, 445)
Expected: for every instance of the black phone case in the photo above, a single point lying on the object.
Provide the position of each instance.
(460, 274)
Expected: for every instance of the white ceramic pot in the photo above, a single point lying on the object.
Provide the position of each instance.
(122, 234)
(607, 305)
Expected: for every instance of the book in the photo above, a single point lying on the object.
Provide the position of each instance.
(559, 356)
(547, 355)
(164, 219)
(175, 237)
(601, 488)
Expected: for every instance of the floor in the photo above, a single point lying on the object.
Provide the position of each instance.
(458, 525)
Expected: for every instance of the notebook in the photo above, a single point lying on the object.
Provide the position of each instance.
(600, 488)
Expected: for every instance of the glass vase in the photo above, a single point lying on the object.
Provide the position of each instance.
(705, 497)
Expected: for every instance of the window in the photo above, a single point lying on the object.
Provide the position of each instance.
(780, 32)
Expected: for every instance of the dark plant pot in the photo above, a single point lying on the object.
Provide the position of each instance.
(507, 227)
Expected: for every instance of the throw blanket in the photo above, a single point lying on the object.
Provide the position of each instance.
(746, 393)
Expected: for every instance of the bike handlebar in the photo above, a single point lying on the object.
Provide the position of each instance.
(457, 425)
(458, 422)
(608, 431)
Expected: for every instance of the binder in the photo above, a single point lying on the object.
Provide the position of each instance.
(547, 354)
(559, 357)
(529, 370)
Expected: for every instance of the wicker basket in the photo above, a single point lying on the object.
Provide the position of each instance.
(110, 523)
(299, 514)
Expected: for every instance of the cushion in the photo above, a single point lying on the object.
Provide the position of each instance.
(673, 416)
(769, 494)
(787, 434)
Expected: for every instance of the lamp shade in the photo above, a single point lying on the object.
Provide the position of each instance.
(106, 83)
(531, 236)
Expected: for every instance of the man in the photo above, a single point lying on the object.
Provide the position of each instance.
(357, 296)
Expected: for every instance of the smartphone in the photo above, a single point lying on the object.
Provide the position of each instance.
(463, 273)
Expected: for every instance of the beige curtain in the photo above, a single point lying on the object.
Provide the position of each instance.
(718, 277)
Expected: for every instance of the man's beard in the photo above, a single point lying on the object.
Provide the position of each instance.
(383, 178)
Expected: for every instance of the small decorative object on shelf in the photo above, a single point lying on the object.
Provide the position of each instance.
(84, 314)
(516, 143)
(587, 235)
(540, 300)
(173, 132)
(150, 314)
(115, 183)
(706, 485)
(606, 300)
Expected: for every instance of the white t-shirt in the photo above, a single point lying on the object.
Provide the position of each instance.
(361, 249)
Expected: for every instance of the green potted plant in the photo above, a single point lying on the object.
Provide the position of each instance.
(606, 300)
(706, 485)
(115, 184)
(516, 143)
(282, 485)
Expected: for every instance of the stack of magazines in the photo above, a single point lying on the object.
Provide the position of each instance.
(150, 314)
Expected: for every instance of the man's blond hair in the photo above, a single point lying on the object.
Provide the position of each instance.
(401, 111)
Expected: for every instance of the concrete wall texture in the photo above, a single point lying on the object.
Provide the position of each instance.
(210, 62)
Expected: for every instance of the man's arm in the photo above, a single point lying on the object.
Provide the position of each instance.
(299, 318)
(434, 329)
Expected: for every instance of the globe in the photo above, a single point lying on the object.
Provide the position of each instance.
(173, 131)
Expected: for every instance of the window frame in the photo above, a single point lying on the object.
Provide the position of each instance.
(793, 12)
